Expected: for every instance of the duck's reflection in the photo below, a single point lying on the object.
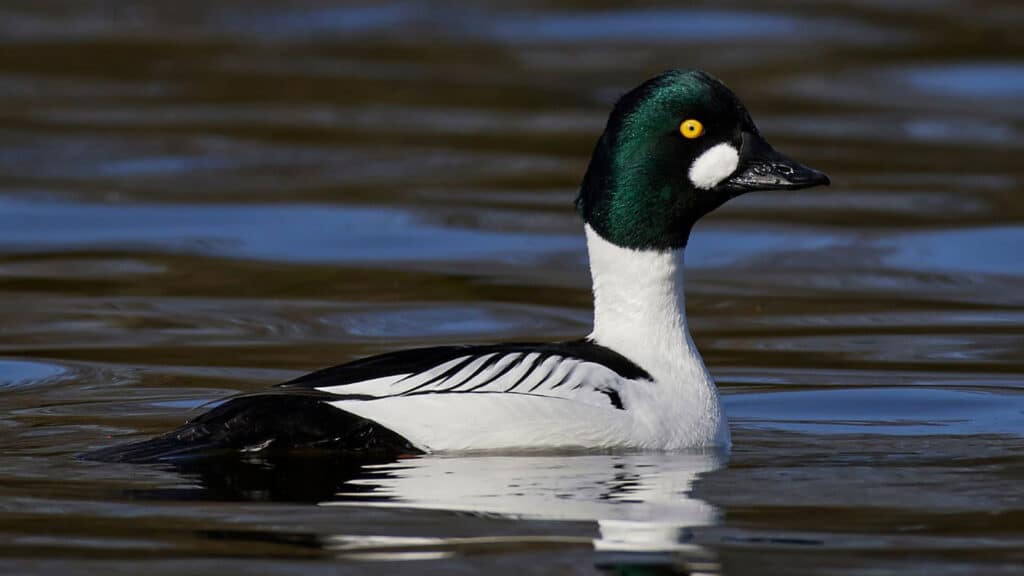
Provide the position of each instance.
(640, 502)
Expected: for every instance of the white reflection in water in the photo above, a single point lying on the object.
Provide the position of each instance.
(641, 502)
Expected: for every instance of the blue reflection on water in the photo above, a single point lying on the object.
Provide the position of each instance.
(305, 233)
(890, 411)
(992, 250)
(289, 22)
(691, 25)
(522, 26)
(292, 232)
(991, 79)
(18, 373)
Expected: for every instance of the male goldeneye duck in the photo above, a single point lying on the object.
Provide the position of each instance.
(674, 148)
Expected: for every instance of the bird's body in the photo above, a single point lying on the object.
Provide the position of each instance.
(674, 149)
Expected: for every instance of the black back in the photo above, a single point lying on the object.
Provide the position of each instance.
(421, 359)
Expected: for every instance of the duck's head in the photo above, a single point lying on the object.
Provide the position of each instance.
(675, 148)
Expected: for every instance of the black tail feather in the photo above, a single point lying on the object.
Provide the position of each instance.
(271, 422)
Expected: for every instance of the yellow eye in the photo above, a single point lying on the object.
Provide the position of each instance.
(691, 128)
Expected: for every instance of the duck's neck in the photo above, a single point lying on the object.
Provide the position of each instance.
(639, 307)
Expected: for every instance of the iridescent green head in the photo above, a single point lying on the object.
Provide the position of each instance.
(675, 148)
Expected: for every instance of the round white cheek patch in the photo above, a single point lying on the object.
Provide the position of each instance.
(714, 165)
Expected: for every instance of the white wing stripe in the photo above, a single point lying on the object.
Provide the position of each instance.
(443, 377)
(459, 377)
(524, 369)
(489, 376)
(515, 373)
(428, 375)
(559, 376)
(539, 375)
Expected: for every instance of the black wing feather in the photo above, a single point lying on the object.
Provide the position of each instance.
(419, 360)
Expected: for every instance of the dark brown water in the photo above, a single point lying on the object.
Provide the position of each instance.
(202, 198)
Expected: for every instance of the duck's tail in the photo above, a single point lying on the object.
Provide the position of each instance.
(270, 421)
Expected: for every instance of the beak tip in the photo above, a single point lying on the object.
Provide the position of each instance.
(810, 179)
(814, 177)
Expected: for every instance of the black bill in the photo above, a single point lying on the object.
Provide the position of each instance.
(763, 168)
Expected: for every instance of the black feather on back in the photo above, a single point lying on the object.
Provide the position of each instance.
(422, 359)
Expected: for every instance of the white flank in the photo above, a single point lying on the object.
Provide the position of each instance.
(545, 410)
(714, 165)
(487, 421)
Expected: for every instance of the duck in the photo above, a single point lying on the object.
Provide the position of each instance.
(674, 148)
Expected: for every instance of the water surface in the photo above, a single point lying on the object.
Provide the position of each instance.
(199, 199)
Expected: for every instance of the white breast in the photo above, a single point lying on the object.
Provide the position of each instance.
(640, 312)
